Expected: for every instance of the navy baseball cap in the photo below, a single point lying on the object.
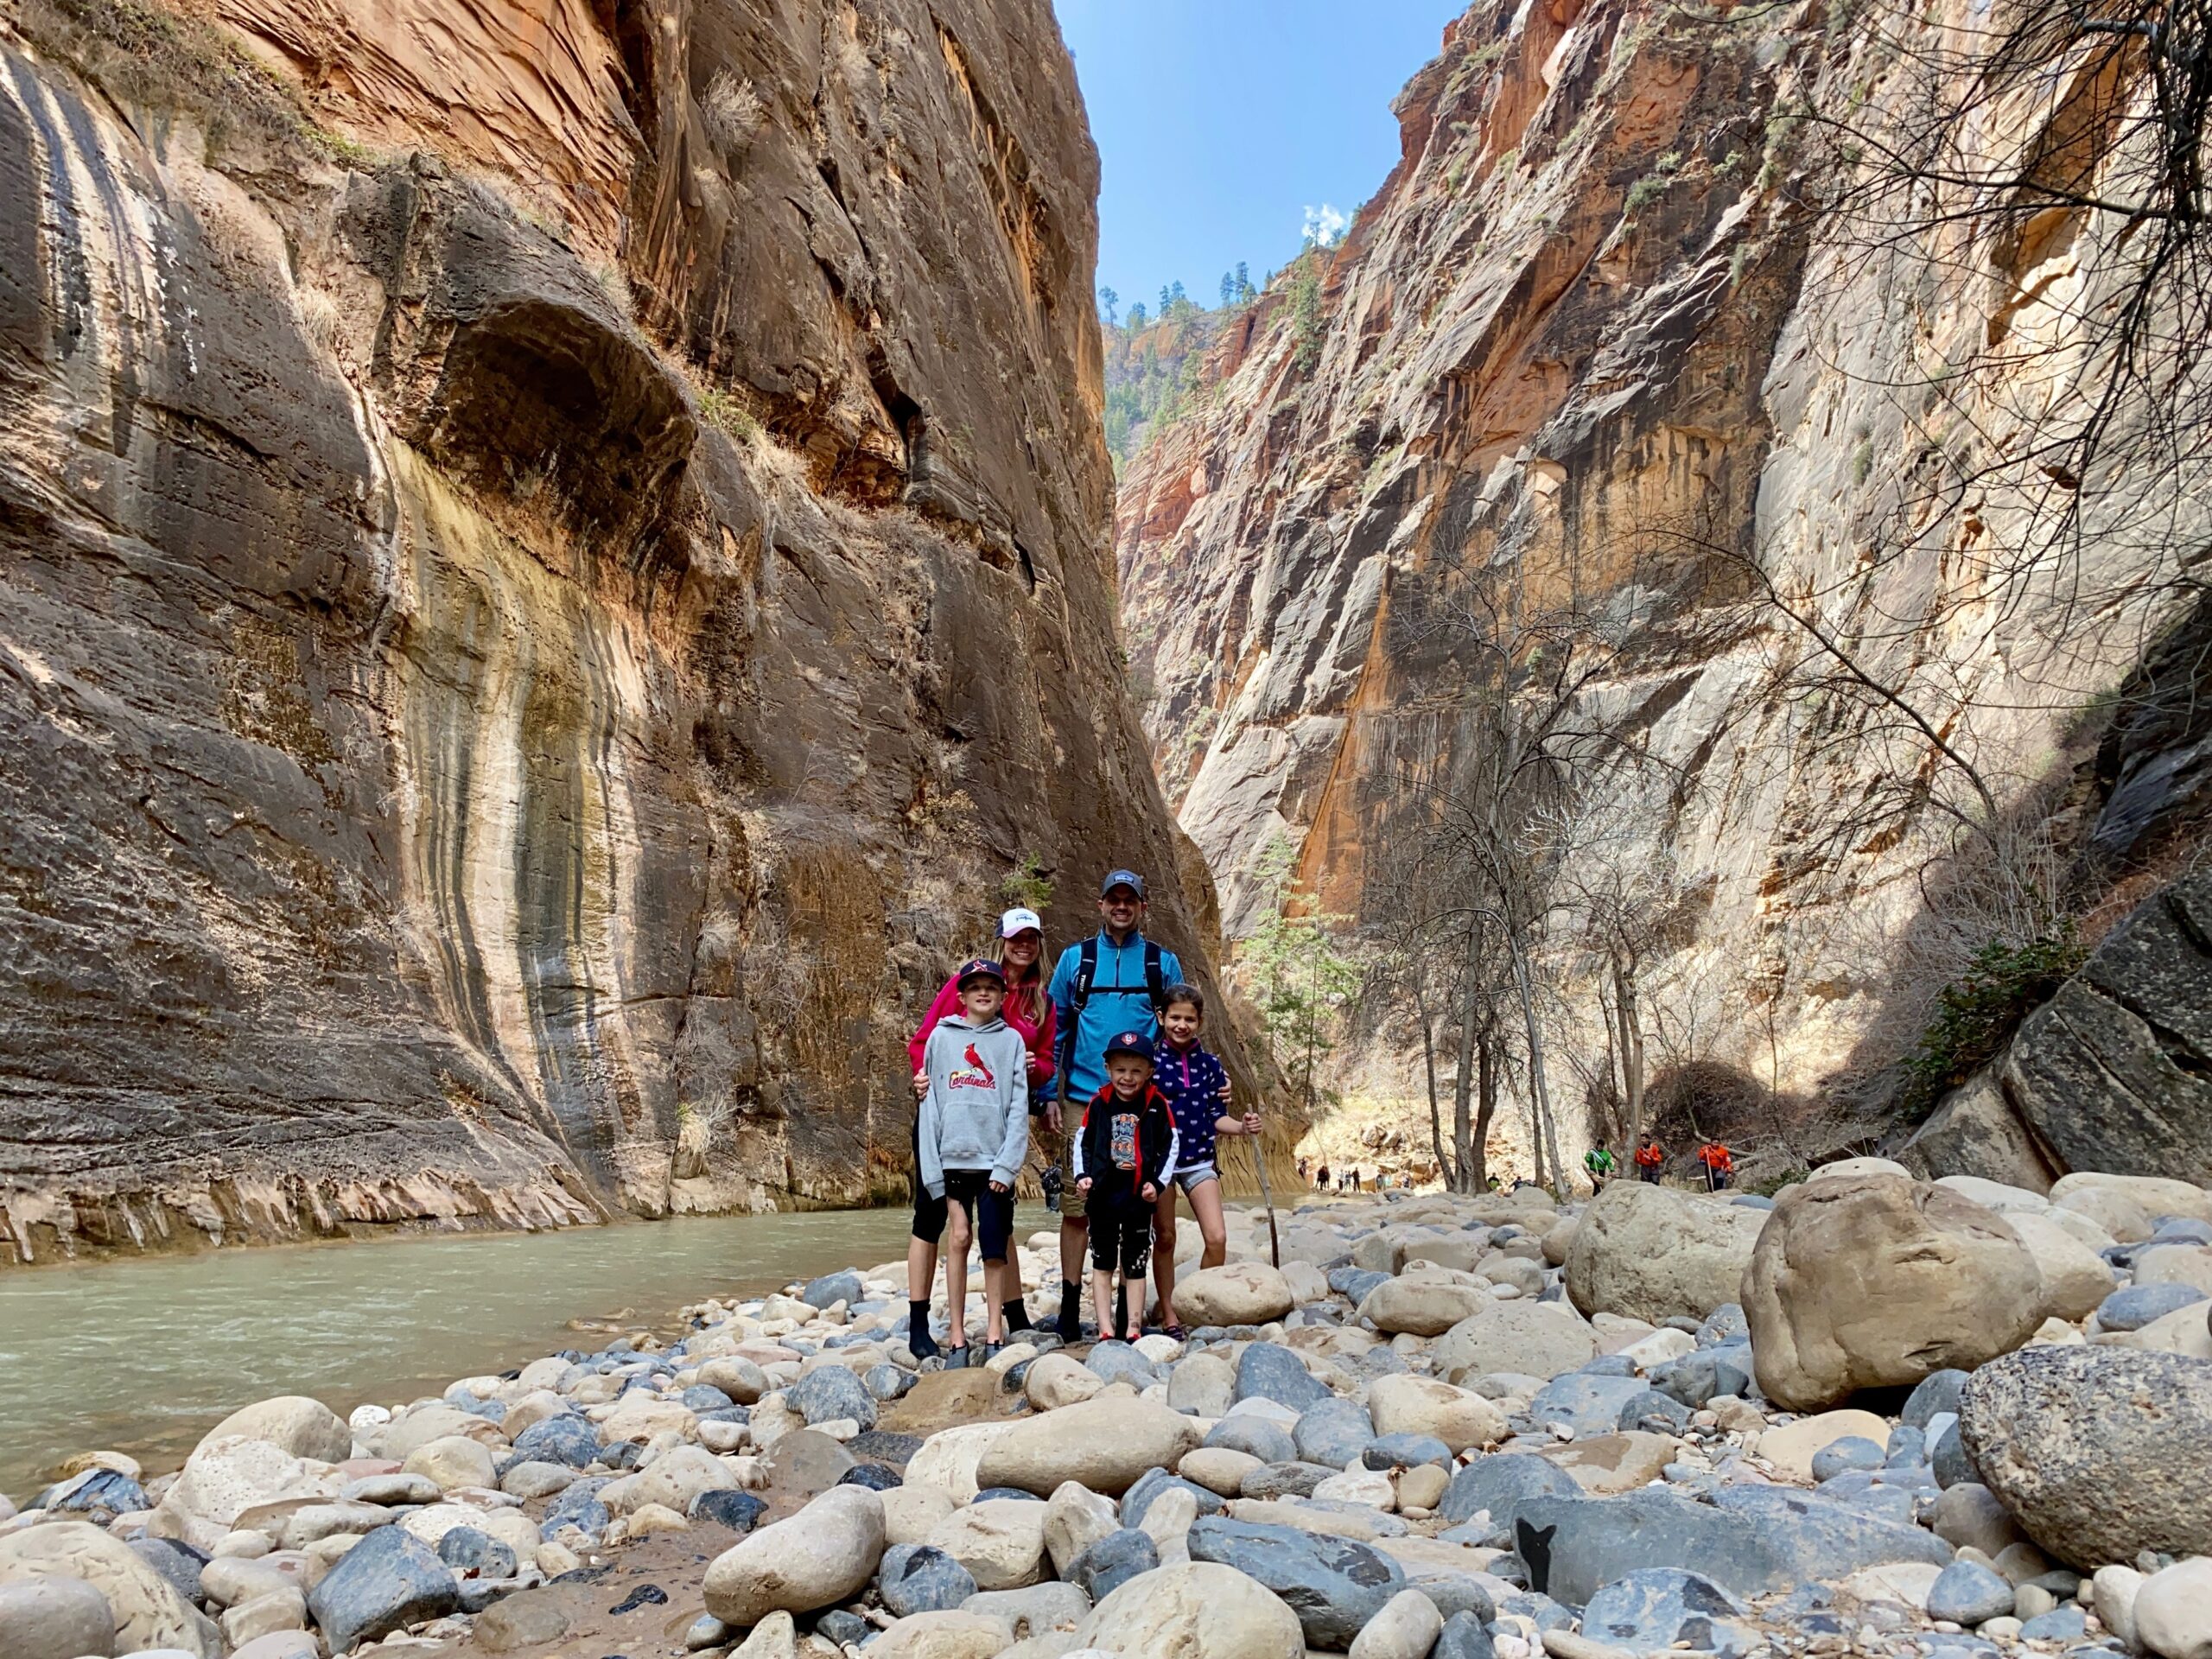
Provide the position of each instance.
(1128, 878)
(1130, 1042)
(980, 968)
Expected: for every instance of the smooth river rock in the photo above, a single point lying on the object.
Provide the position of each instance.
(388, 1580)
(1239, 1293)
(303, 1426)
(1196, 1610)
(147, 1610)
(1654, 1253)
(1876, 1280)
(1103, 1443)
(1334, 1586)
(1537, 1338)
(55, 1618)
(823, 1554)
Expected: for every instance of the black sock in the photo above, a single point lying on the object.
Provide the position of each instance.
(918, 1319)
(1016, 1314)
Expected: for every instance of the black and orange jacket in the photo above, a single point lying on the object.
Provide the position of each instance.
(1134, 1141)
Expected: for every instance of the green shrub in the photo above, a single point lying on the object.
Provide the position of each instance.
(1977, 1014)
(1028, 887)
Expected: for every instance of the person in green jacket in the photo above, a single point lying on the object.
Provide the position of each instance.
(1599, 1160)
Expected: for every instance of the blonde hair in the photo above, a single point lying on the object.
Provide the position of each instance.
(1031, 991)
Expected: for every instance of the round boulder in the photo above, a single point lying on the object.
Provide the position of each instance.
(2099, 1454)
(1240, 1293)
(304, 1428)
(1195, 1610)
(146, 1610)
(1876, 1280)
(1409, 1306)
(1654, 1253)
(823, 1554)
(1421, 1405)
(1103, 1443)
(1536, 1339)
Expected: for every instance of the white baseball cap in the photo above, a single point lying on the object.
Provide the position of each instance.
(1015, 920)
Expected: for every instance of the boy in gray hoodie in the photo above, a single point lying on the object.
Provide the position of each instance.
(974, 1136)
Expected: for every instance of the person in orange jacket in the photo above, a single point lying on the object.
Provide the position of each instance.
(1719, 1165)
(1651, 1157)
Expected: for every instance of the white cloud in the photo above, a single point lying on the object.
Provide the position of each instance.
(1325, 225)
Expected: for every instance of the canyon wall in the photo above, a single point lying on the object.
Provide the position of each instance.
(1597, 339)
(554, 560)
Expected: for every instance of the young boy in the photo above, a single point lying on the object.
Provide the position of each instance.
(1123, 1156)
(972, 1135)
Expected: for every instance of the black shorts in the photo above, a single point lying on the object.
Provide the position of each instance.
(1120, 1235)
(991, 1214)
(929, 1212)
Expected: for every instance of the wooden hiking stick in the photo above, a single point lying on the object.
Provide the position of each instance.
(1274, 1239)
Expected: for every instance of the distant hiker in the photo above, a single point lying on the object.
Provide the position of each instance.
(972, 1136)
(1194, 1081)
(1111, 983)
(1599, 1161)
(1719, 1165)
(1124, 1153)
(1493, 1183)
(1321, 1178)
(1301, 1170)
(1649, 1159)
(1029, 1010)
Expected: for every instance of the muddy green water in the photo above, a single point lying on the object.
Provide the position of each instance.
(144, 1356)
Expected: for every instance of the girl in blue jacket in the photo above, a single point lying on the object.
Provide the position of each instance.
(1197, 1088)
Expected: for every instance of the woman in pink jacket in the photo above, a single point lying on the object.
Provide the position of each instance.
(1029, 1010)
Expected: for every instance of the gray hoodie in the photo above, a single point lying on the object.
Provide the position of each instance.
(976, 1112)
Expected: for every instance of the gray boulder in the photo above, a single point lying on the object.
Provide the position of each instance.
(55, 1617)
(1464, 1637)
(922, 1578)
(1501, 1483)
(2136, 1305)
(1255, 1437)
(831, 1392)
(1334, 1432)
(1934, 1394)
(1655, 1607)
(1968, 1592)
(1104, 1566)
(566, 1439)
(1333, 1585)
(2099, 1453)
(1765, 1539)
(832, 1288)
(1271, 1371)
(389, 1579)
(1587, 1401)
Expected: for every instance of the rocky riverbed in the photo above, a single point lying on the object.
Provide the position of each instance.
(1877, 1417)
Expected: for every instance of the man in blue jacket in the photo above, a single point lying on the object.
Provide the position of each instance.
(1112, 983)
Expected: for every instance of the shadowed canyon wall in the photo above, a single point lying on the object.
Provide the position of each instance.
(1592, 333)
(553, 559)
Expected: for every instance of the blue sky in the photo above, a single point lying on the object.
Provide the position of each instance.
(1220, 123)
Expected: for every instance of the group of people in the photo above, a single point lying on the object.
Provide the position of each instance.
(1108, 1053)
(1343, 1180)
(1650, 1159)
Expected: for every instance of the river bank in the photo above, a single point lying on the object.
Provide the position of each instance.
(142, 1355)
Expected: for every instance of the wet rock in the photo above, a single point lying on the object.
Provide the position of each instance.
(1875, 1281)
(388, 1580)
(1334, 1586)
(923, 1578)
(1196, 1608)
(823, 1554)
(1655, 1608)
(2099, 1453)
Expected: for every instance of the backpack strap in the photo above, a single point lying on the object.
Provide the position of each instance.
(1086, 972)
(1155, 979)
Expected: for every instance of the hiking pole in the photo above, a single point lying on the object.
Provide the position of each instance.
(1274, 1239)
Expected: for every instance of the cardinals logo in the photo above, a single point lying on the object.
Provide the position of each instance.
(974, 1075)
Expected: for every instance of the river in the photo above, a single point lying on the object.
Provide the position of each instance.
(143, 1355)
